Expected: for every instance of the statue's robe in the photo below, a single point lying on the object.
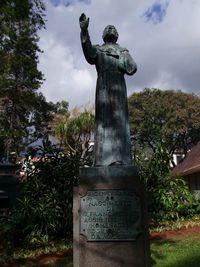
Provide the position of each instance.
(112, 134)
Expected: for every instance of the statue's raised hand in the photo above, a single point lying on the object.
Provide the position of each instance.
(84, 22)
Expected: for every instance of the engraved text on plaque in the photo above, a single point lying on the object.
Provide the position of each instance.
(108, 215)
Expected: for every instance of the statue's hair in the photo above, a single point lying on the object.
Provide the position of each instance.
(106, 30)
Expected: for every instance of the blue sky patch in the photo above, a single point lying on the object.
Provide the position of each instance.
(68, 2)
(156, 12)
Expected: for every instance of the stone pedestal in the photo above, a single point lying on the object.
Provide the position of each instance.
(110, 219)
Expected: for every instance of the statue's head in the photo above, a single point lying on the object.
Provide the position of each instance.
(110, 34)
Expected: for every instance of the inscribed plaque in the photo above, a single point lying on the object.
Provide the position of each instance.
(109, 215)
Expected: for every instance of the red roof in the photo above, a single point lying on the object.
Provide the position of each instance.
(191, 163)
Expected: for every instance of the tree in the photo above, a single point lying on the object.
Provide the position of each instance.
(39, 120)
(23, 110)
(74, 132)
(61, 108)
(170, 118)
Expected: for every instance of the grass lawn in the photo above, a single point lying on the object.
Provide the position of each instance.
(177, 251)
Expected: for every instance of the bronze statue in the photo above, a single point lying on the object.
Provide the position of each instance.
(112, 134)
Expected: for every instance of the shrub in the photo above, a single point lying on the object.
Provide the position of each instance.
(168, 198)
(44, 208)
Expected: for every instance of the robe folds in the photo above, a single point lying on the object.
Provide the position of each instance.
(112, 143)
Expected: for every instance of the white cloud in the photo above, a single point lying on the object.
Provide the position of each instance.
(167, 54)
(63, 79)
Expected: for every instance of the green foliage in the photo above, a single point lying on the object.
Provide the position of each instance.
(22, 109)
(75, 132)
(170, 118)
(44, 207)
(180, 223)
(162, 122)
(168, 197)
(62, 107)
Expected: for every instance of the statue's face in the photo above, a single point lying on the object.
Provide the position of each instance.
(110, 34)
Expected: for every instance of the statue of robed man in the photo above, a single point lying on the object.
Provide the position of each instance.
(112, 134)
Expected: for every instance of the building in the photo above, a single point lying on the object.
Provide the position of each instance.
(189, 169)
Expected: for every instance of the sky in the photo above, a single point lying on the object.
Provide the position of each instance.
(162, 36)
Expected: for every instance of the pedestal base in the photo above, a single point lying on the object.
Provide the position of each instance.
(110, 219)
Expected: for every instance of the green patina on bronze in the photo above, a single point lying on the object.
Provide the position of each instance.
(112, 134)
(110, 215)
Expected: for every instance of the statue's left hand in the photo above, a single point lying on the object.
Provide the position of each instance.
(84, 22)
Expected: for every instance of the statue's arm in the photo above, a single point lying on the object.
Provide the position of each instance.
(89, 50)
(127, 64)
